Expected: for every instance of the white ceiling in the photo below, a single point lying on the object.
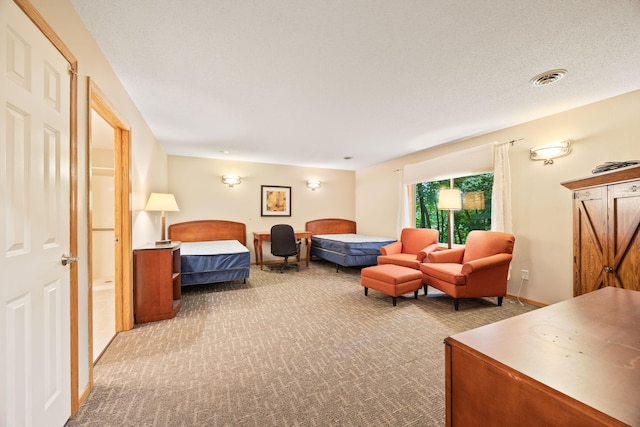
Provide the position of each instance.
(308, 82)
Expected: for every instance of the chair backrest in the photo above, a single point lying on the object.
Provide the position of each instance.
(480, 244)
(415, 239)
(283, 240)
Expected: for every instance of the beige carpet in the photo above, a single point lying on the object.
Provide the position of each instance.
(301, 348)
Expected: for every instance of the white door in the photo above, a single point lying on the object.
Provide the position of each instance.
(34, 230)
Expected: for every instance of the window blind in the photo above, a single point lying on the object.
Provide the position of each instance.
(472, 161)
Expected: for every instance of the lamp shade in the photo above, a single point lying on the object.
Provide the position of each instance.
(162, 202)
(450, 199)
(313, 184)
(231, 180)
(551, 151)
(473, 200)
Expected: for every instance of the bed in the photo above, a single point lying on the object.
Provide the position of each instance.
(335, 240)
(212, 251)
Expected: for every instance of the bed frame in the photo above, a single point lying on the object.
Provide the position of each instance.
(331, 226)
(209, 230)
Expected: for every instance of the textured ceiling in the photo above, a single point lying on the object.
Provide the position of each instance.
(308, 82)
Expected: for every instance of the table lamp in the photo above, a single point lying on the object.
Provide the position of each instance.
(450, 199)
(473, 200)
(162, 202)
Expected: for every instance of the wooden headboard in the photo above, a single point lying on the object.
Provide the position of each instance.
(209, 229)
(331, 226)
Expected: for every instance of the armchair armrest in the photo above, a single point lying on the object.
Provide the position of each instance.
(426, 251)
(391, 248)
(448, 255)
(485, 263)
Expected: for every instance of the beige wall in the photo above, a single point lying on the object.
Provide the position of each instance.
(196, 184)
(148, 159)
(542, 223)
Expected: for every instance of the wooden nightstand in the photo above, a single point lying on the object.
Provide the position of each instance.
(156, 282)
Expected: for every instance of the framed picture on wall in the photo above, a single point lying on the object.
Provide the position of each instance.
(276, 201)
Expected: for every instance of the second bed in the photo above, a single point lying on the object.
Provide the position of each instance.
(335, 240)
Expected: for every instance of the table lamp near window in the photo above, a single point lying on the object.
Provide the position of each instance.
(162, 202)
(450, 199)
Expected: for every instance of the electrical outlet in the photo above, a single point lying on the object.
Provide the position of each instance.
(525, 274)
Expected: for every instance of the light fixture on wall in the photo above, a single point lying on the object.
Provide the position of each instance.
(162, 202)
(231, 180)
(313, 184)
(550, 151)
(473, 200)
(450, 199)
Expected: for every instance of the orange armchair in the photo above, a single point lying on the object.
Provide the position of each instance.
(412, 248)
(479, 269)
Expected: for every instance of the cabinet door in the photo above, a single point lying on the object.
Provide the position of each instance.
(590, 239)
(623, 256)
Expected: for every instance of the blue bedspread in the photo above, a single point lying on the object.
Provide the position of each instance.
(214, 261)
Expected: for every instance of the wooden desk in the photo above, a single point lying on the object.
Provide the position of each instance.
(261, 236)
(574, 363)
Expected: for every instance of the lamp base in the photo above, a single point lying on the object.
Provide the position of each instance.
(163, 242)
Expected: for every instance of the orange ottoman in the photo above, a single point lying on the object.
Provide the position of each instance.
(391, 279)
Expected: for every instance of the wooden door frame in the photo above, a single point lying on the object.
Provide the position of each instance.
(98, 102)
(32, 13)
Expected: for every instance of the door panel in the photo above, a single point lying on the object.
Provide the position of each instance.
(624, 228)
(590, 222)
(35, 213)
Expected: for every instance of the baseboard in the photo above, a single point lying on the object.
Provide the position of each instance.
(527, 300)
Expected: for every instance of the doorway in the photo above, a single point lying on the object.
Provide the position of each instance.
(110, 267)
(102, 234)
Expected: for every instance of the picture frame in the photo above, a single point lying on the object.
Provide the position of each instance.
(275, 200)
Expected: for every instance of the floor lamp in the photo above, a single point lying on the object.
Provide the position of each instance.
(162, 202)
(450, 199)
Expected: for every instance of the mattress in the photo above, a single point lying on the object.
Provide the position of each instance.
(348, 249)
(214, 261)
(350, 244)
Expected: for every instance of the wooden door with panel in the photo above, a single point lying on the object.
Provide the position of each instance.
(590, 239)
(623, 248)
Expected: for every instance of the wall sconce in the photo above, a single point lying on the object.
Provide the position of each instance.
(473, 200)
(162, 202)
(231, 180)
(550, 151)
(313, 184)
(450, 199)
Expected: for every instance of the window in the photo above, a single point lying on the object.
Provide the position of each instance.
(476, 206)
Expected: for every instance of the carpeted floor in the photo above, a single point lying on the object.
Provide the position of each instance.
(301, 348)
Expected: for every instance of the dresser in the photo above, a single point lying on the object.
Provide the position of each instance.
(156, 282)
(574, 363)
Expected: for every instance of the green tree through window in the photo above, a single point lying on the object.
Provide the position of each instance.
(475, 213)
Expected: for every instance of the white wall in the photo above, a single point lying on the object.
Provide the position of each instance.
(542, 219)
(200, 194)
(148, 159)
(102, 222)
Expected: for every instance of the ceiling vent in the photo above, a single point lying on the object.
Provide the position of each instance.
(548, 77)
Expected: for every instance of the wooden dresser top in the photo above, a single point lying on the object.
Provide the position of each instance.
(587, 348)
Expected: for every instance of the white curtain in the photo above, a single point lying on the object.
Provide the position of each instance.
(404, 216)
(501, 192)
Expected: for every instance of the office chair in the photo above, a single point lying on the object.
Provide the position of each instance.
(284, 244)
